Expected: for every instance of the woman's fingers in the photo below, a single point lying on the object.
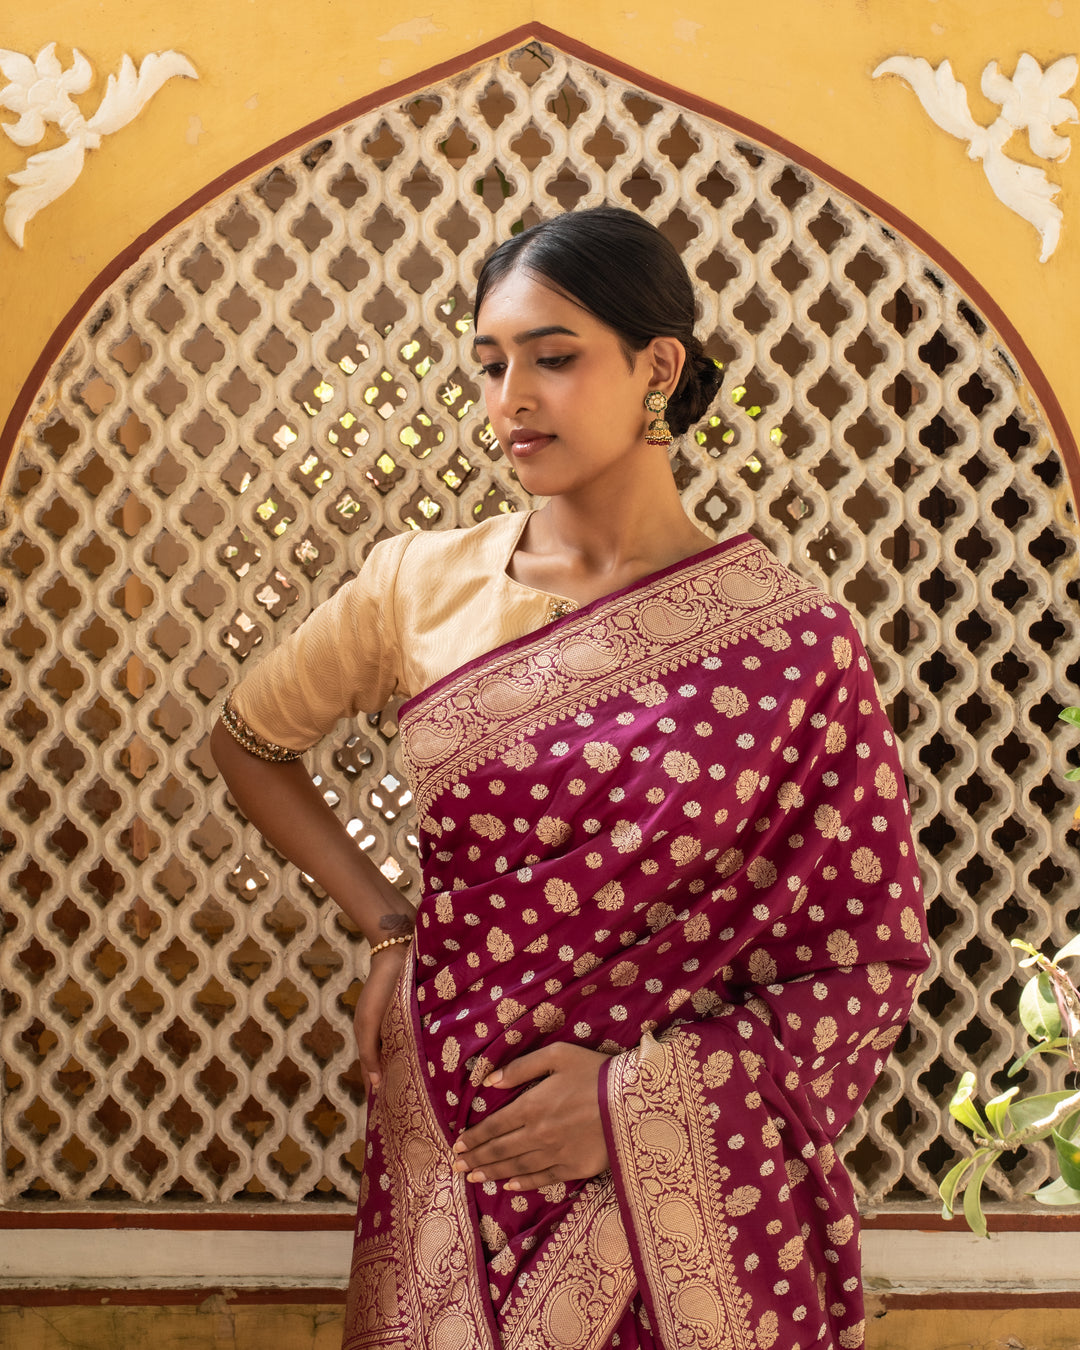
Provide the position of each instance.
(552, 1132)
(371, 1008)
(525, 1068)
(366, 1030)
(513, 1167)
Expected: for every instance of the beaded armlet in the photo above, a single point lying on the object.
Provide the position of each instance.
(251, 740)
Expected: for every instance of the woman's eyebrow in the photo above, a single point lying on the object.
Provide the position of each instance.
(529, 335)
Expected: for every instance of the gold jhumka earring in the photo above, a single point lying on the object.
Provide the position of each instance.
(658, 431)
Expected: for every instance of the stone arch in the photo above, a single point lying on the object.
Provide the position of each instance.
(283, 378)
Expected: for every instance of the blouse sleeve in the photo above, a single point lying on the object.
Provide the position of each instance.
(343, 660)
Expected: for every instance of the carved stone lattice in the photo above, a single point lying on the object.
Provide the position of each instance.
(286, 378)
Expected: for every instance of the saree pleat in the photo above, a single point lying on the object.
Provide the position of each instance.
(671, 827)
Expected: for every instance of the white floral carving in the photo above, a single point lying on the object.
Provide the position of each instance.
(40, 91)
(1032, 101)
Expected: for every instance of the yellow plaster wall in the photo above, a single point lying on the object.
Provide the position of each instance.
(218, 1325)
(800, 67)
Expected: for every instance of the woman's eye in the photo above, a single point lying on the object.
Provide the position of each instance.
(492, 368)
(554, 362)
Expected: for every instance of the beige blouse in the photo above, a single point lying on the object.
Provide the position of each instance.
(424, 604)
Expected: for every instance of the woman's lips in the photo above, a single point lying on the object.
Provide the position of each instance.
(528, 442)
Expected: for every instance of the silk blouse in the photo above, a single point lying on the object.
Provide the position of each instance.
(423, 604)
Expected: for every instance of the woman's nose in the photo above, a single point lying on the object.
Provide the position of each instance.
(517, 391)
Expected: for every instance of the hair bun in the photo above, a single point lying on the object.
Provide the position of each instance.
(698, 387)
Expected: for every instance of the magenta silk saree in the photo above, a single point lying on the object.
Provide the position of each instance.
(672, 827)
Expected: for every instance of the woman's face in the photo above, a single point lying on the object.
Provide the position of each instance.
(564, 401)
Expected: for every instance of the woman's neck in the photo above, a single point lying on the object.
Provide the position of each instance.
(587, 546)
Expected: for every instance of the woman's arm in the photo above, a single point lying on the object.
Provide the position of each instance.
(283, 803)
(288, 809)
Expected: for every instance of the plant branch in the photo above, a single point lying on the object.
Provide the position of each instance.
(1039, 1128)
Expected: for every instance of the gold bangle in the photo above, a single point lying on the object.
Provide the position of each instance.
(251, 740)
(390, 942)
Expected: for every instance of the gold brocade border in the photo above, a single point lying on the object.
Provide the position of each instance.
(575, 1297)
(419, 1283)
(644, 633)
(663, 1149)
(423, 1282)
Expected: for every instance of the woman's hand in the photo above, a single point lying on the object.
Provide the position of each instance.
(371, 1008)
(552, 1132)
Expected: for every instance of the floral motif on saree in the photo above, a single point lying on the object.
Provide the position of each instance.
(671, 827)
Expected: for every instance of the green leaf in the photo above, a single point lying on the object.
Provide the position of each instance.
(963, 1109)
(1024, 1113)
(1058, 1192)
(1042, 1048)
(1039, 1010)
(973, 1210)
(1068, 1152)
(1018, 1064)
(1032, 953)
(1071, 948)
(1073, 776)
(997, 1110)
(948, 1188)
(1070, 715)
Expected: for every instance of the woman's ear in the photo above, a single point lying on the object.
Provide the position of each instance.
(667, 356)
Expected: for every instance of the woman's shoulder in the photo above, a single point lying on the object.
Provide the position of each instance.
(486, 545)
(752, 575)
(404, 559)
(420, 576)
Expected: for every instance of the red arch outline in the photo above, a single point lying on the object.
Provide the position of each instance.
(518, 37)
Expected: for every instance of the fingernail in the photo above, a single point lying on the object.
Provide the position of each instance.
(476, 1176)
(493, 1079)
(376, 1082)
(459, 1147)
(460, 1166)
(511, 1186)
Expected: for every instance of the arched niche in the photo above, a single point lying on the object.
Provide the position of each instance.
(285, 377)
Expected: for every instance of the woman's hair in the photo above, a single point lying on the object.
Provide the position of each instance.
(626, 274)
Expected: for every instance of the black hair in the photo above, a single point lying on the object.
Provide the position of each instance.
(626, 274)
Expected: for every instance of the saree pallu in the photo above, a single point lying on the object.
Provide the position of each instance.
(671, 827)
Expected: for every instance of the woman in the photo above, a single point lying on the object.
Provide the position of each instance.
(671, 913)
